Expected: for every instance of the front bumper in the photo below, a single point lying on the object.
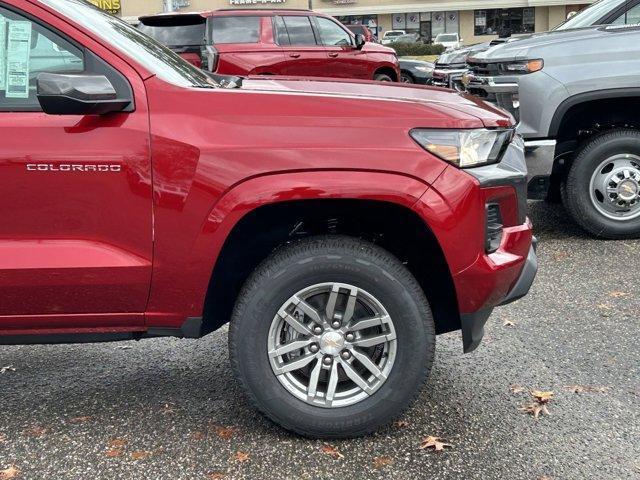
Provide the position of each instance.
(473, 323)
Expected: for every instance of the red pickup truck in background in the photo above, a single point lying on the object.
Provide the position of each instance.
(272, 42)
(338, 226)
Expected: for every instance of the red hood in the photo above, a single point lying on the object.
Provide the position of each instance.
(434, 97)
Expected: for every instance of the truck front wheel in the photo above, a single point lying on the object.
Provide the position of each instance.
(602, 191)
(332, 337)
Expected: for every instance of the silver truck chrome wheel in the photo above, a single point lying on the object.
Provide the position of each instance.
(615, 187)
(332, 345)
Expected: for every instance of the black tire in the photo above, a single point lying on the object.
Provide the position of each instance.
(406, 77)
(382, 77)
(332, 259)
(575, 191)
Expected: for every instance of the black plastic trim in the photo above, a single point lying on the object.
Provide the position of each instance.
(191, 328)
(570, 102)
(473, 328)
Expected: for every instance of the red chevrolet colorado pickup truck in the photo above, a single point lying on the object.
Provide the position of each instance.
(338, 226)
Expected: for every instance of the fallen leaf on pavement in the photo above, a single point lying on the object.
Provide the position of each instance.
(331, 451)
(216, 475)
(8, 368)
(401, 424)
(117, 442)
(618, 294)
(545, 477)
(198, 435)
(11, 472)
(141, 454)
(36, 431)
(535, 409)
(381, 462)
(515, 388)
(76, 420)
(541, 397)
(434, 443)
(586, 389)
(241, 457)
(508, 323)
(113, 452)
(224, 432)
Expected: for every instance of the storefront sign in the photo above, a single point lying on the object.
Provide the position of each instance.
(111, 6)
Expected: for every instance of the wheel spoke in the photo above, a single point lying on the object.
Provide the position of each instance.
(290, 347)
(369, 365)
(312, 389)
(372, 341)
(297, 325)
(296, 364)
(330, 311)
(355, 377)
(376, 321)
(351, 306)
(308, 310)
(333, 383)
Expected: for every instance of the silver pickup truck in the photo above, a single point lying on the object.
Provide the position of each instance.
(576, 95)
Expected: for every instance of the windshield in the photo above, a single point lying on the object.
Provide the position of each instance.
(446, 38)
(393, 34)
(155, 57)
(591, 15)
(179, 31)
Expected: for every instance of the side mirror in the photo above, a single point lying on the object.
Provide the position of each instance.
(61, 94)
(360, 41)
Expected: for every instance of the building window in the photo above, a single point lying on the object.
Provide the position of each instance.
(428, 24)
(513, 20)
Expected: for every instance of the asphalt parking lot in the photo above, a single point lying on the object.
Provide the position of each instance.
(169, 409)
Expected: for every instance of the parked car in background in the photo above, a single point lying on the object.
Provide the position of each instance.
(272, 42)
(451, 65)
(364, 31)
(448, 40)
(416, 71)
(408, 38)
(583, 141)
(337, 226)
(389, 37)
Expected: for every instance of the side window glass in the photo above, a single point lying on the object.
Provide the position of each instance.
(282, 37)
(26, 50)
(630, 17)
(235, 29)
(332, 33)
(299, 29)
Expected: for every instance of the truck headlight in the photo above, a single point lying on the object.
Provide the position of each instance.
(525, 66)
(465, 148)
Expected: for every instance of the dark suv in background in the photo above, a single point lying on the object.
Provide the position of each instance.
(272, 42)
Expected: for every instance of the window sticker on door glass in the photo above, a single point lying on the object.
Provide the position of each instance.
(18, 50)
(3, 51)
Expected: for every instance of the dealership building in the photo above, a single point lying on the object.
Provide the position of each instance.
(474, 20)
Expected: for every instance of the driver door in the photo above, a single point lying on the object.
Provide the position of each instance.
(345, 60)
(75, 215)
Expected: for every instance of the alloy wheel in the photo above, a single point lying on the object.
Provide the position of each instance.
(332, 345)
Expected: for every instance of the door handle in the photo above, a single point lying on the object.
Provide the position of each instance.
(333, 55)
(294, 55)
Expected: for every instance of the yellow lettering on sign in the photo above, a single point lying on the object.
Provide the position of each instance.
(111, 6)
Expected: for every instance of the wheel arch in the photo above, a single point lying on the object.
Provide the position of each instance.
(255, 227)
(388, 70)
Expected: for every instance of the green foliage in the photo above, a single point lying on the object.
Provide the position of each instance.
(416, 49)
